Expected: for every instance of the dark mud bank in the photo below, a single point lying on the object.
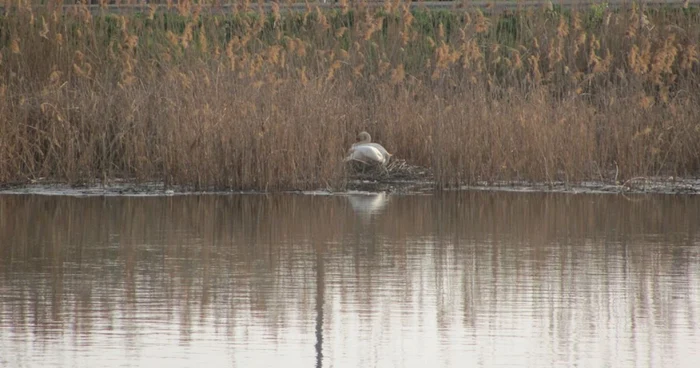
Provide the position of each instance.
(401, 177)
(388, 184)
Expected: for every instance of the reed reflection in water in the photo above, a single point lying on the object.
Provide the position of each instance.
(482, 279)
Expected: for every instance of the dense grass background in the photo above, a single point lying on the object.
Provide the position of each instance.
(254, 100)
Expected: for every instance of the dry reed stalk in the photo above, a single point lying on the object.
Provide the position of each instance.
(251, 101)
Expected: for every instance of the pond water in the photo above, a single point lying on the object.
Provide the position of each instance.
(485, 279)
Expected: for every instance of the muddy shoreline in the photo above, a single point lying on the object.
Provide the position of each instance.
(673, 186)
(634, 186)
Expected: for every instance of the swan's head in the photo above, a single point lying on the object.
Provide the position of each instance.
(364, 137)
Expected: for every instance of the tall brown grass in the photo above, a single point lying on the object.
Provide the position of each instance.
(255, 100)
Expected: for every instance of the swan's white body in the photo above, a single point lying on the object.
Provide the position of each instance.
(376, 146)
(367, 152)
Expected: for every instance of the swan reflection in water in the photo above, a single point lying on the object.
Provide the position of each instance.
(365, 205)
(368, 204)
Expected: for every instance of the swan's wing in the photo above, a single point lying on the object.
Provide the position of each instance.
(366, 154)
(377, 146)
(382, 150)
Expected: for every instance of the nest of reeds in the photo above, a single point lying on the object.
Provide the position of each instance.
(395, 170)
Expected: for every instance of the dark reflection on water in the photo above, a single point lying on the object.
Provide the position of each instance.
(483, 279)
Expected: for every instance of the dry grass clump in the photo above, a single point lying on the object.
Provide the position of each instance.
(395, 170)
(251, 100)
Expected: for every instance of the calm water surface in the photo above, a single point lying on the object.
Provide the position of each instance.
(456, 279)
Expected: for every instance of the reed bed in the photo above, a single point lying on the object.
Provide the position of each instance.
(270, 101)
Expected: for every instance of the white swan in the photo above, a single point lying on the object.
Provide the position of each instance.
(367, 152)
(365, 139)
(368, 155)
